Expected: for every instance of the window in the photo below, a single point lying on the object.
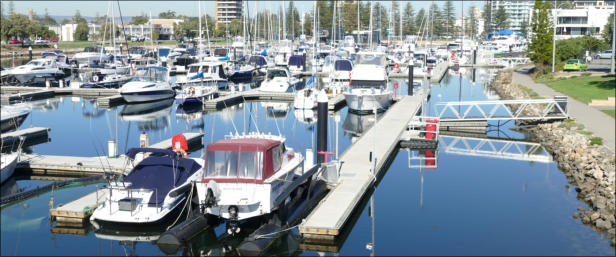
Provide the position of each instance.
(248, 164)
(222, 164)
(277, 157)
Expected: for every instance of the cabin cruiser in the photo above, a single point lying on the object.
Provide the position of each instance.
(208, 73)
(368, 88)
(279, 80)
(149, 84)
(296, 64)
(245, 175)
(14, 115)
(196, 94)
(340, 77)
(36, 72)
(283, 52)
(101, 80)
(90, 54)
(154, 189)
(257, 66)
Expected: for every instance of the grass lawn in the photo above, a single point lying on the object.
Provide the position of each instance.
(610, 112)
(586, 88)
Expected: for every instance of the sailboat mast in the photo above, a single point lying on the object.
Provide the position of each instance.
(370, 27)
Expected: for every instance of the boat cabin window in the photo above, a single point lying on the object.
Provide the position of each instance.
(220, 52)
(277, 156)
(343, 65)
(378, 60)
(366, 83)
(276, 73)
(151, 74)
(224, 164)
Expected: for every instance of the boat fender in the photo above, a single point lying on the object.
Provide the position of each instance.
(180, 190)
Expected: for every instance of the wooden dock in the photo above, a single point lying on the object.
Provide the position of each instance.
(229, 99)
(79, 210)
(56, 165)
(26, 96)
(31, 136)
(330, 216)
(438, 72)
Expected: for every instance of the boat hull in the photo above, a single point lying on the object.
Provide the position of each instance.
(13, 123)
(9, 161)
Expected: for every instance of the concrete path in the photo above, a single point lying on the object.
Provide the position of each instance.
(601, 124)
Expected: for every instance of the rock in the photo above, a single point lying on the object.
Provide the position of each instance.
(581, 209)
(575, 215)
(595, 216)
(602, 224)
(585, 219)
(611, 231)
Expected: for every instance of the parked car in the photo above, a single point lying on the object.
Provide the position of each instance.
(53, 40)
(14, 41)
(575, 64)
(41, 42)
(605, 55)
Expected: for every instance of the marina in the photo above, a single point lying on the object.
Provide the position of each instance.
(298, 131)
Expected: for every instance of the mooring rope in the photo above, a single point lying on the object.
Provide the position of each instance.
(274, 233)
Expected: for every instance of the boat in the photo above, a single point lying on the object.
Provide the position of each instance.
(206, 73)
(90, 54)
(283, 52)
(196, 94)
(349, 44)
(8, 161)
(328, 64)
(101, 80)
(36, 73)
(12, 116)
(257, 65)
(296, 65)
(307, 116)
(279, 80)
(244, 175)
(149, 84)
(154, 190)
(340, 77)
(368, 88)
(305, 99)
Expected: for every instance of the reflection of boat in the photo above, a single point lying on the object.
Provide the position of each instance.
(130, 235)
(356, 124)
(191, 113)
(305, 99)
(305, 116)
(9, 187)
(13, 116)
(276, 109)
(151, 192)
(244, 175)
(151, 115)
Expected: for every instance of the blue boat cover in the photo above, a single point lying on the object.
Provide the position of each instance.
(224, 58)
(257, 60)
(157, 173)
(345, 65)
(133, 151)
(296, 60)
(162, 52)
(199, 75)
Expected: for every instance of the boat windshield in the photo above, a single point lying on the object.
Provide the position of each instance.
(329, 60)
(220, 52)
(195, 69)
(367, 83)
(233, 164)
(285, 43)
(151, 74)
(372, 59)
(35, 63)
(276, 73)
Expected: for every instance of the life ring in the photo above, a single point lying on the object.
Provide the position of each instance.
(95, 78)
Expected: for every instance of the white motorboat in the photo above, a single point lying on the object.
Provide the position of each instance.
(340, 77)
(244, 177)
(207, 73)
(8, 161)
(306, 99)
(149, 84)
(296, 65)
(12, 116)
(279, 79)
(349, 44)
(36, 72)
(155, 188)
(368, 89)
(284, 52)
(328, 64)
(90, 54)
(196, 94)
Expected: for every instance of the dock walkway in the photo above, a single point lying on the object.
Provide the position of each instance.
(80, 209)
(31, 136)
(329, 217)
(229, 99)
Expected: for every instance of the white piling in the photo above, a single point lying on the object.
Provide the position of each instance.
(113, 148)
(47, 84)
(309, 159)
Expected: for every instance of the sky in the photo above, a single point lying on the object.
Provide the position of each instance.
(189, 8)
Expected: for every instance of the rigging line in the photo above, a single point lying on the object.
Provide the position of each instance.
(250, 116)
(123, 30)
(276, 122)
(232, 118)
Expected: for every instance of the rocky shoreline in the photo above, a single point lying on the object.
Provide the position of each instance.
(589, 168)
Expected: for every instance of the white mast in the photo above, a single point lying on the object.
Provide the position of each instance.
(257, 20)
(333, 34)
(370, 27)
(200, 31)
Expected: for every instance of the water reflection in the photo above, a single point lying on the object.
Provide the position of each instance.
(356, 124)
(191, 115)
(150, 116)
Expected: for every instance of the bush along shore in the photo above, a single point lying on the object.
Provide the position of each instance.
(587, 165)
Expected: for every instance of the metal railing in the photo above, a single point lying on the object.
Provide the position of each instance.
(421, 123)
(494, 148)
(117, 187)
(528, 109)
(423, 159)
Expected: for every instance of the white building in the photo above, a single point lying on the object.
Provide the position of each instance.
(227, 10)
(165, 26)
(599, 4)
(580, 22)
(518, 11)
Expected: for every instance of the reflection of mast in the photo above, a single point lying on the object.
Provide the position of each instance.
(370, 246)
(421, 187)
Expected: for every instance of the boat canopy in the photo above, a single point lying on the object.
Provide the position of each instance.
(243, 159)
(221, 52)
(257, 60)
(93, 49)
(343, 65)
(296, 60)
(151, 73)
(373, 58)
(163, 51)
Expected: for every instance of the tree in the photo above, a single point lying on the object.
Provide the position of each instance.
(292, 16)
(409, 24)
(106, 31)
(155, 34)
(138, 20)
(65, 21)
(540, 47)
(46, 19)
(325, 9)
(501, 18)
(608, 30)
(448, 15)
(524, 26)
(419, 20)
(19, 26)
(5, 27)
(167, 15)
(81, 32)
(471, 25)
(78, 19)
(487, 17)
(436, 20)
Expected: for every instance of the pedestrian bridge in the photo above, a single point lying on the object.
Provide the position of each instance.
(530, 109)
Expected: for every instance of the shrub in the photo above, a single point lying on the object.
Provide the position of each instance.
(596, 141)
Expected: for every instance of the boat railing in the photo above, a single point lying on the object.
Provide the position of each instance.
(129, 193)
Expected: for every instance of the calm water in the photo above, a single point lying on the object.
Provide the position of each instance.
(465, 206)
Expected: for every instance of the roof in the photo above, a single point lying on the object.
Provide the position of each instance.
(246, 144)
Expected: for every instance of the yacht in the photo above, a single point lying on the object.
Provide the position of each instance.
(340, 77)
(296, 64)
(368, 88)
(155, 188)
(149, 84)
(196, 94)
(284, 52)
(279, 80)
(8, 161)
(90, 54)
(244, 175)
(257, 66)
(206, 73)
(328, 64)
(36, 73)
(14, 115)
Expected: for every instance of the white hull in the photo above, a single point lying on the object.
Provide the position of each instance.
(9, 161)
(138, 91)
